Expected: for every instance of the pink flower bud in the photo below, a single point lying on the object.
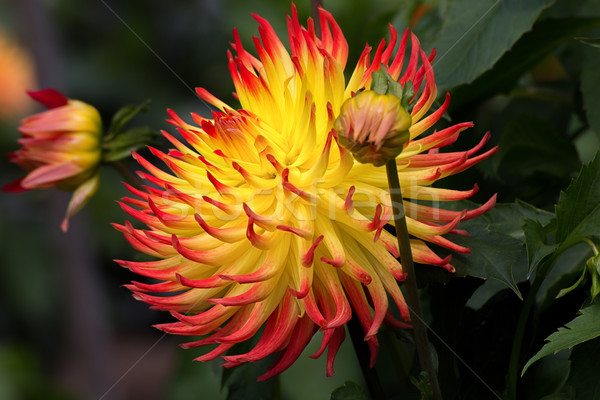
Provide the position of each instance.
(374, 127)
(60, 148)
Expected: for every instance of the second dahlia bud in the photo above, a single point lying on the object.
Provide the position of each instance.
(60, 148)
(374, 127)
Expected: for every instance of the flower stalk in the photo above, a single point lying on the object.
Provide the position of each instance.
(412, 293)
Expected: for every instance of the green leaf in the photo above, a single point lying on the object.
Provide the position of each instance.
(496, 241)
(559, 396)
(578, 209)
(484, 293)
(584, 370)
(547, 377)
(476, 34)
(577, 218)
(536, 242)
(531, 145)
(590, 81)
(123, 116)
(509, 218)
(526, 53)
(492, 254)
(569, 266)
(569, 8)
(583, 328)
(350, 391)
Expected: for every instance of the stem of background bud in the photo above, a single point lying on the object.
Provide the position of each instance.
(515, 354)
(129, 176)
(412, 293)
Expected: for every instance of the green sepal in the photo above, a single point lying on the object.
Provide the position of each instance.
(594, 42)
(123, 116)
(573, 286)
(383, 83)
(379, 81)
(125, 142)
(118, 143)
(593, 267)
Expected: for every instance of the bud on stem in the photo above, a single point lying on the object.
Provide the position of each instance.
(374, 127)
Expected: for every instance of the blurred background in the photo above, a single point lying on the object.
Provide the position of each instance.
(68, 329)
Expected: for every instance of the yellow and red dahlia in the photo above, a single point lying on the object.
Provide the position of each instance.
(61, 148)
(264, 220)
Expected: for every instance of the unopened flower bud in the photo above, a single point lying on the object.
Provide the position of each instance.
(60, 148)
(374, 127)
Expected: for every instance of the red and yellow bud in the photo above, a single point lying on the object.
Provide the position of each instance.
(374, 127)
(60, 148)
(262, 219)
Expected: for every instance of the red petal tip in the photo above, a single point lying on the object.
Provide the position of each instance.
(50, 98)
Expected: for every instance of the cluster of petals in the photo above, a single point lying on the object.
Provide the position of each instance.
(60, 148)
(261, 225)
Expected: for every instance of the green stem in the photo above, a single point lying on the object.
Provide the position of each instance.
(412, 292)
(591, 244)
(515, 353)
(362, 353)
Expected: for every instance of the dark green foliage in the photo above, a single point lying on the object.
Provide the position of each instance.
(350, 391)
(544, 37)
(583, 379)
(583, 328)
(474, 35)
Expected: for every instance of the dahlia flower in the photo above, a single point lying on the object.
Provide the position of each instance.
(61, 148)
(263, 220)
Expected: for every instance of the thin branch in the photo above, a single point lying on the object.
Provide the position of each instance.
(412, 292)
